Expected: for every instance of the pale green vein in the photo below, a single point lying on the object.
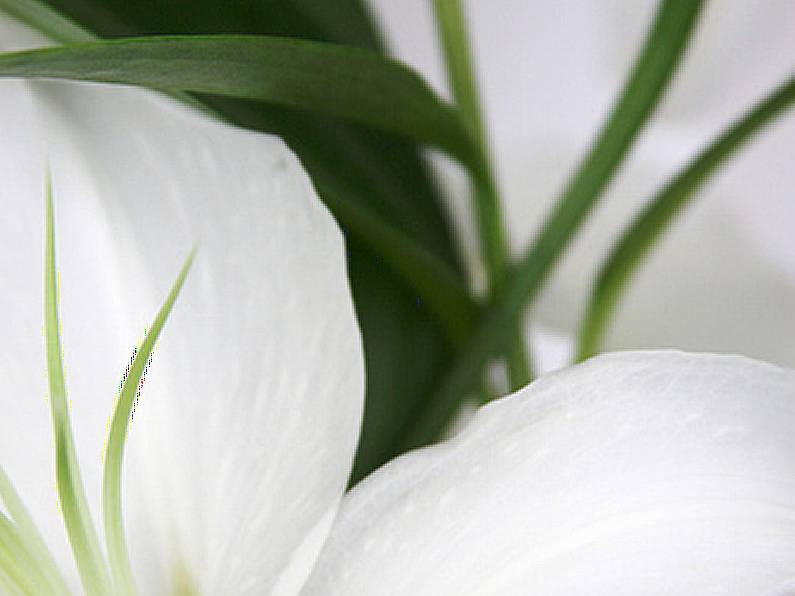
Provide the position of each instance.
(111, 487)
(17, 562)
(30, 535)
(77, 518)
(636, 242)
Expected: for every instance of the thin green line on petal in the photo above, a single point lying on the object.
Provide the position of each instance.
(74, 506)
(111, 487)
(31, 537)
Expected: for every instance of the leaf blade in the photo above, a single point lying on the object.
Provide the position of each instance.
(652, 222)
(50, 22)
(345, 82)
(451, 24)
(111, 483)
(652, 72)
(74, 505)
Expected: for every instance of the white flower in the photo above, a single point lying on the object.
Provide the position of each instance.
(654, 473)
(724, 278)
(240, 447)
(637, 473)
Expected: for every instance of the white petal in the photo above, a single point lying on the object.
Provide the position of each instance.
(634, 473)
(724, 278)
(26, 443)
(242, 440)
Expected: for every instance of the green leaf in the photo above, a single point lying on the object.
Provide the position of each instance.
(356, 170)
(18, 567)
(345, 82)
(340, 21)
(50, 22)
(648, 227)
(114, 454)
(74, 507)
(652, 72)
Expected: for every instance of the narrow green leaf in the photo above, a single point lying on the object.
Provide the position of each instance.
(50, 22)
(648, 227)
(656, 64)
(17, 562)
(74, 506)
(342, 81)
(111, 486)
(64, 30)
(30, 535)
(7, 585)
(451, 24)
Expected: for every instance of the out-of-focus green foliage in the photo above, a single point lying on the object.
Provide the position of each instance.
(651, 223)
(658, 60)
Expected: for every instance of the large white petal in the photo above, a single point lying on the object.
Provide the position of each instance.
(26, 444)
(724, 278)
(634, 473)
(242, 440)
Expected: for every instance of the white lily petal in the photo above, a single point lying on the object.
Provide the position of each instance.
(724, 278)
(242, 441)
(26, 441)
(634, 473)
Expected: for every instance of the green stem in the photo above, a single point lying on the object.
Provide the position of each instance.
(647, 228)
(452, 28)
(658, 60)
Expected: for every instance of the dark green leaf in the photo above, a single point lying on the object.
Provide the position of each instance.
(339, 81)
(40, 16)
(339, 21)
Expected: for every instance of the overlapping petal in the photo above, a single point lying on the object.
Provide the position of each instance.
(634, 473)
(243, 437)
